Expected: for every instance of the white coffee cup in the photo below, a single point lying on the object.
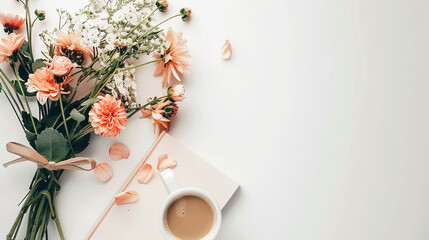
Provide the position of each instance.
(175, 192)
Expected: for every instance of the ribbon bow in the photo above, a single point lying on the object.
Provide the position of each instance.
(28, 154)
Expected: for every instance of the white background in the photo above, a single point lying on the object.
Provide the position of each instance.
(321, 116)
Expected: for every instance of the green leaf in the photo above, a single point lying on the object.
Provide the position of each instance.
(22, 73)
(15, 84)
(90, 101)
(31, 137)
(25, 50)
(81, 144)
(38, 64)
(77, 116)
(52, 145)
(1, 87)
(54, 113)
(28, 124)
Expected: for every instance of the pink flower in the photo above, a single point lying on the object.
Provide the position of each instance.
(11, 21)
(43, 82)
(61, 66)
(176, 92)
(11, 44)
(108, 117)
(174, 59)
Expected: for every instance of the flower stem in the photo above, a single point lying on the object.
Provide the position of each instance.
(15, 69)
(12, 105)
(14, 89)
(138, 25)
(157, 25)
(140, 65)
(57, 220)
(65, 123)
(136, 110)
(15, 225)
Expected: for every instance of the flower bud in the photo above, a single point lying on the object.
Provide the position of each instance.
(176, 92)
(186, 13)
(41, 14)
(162, 5)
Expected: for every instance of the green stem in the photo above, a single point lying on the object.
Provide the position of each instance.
(57, 220)
(29, 29)
(14, 89)
(15, 225)
(25, 97)
(138, 25)
(157, 25)
(136, 110)
(11, 104)
(65, 123)
(140, 65)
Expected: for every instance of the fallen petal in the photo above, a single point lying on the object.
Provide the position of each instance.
(226, 50)
(126, 197)
(119, 151)
(145, 173)
(165, 162)
(103, 172)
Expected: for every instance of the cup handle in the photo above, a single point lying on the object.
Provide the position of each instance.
(170, 180)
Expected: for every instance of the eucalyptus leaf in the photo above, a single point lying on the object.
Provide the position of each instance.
(52, 145)
(39, 63)
(90, 101)
(1, 87)
(77, 116)
(15, 84)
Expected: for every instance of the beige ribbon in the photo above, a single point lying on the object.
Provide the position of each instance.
(28, 154)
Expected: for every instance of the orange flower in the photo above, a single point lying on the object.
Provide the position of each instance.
(157, 115)
(108, 117)
(11, 44)
(65, 43)
(174, 59)
(11, 21)
(43, 82)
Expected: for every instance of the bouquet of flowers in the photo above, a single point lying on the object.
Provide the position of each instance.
(98, 44)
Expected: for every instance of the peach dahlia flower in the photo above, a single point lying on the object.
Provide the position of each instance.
(11, 21)
(11, 44)
(107, 116)
(174, 59)
(70, 42)
(43, 82)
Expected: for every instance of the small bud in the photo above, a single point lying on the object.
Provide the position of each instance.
(186, 13)
(162, 5)
(41, 14)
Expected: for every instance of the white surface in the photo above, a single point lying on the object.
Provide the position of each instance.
(321, 115)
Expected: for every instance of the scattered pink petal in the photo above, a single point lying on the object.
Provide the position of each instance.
(145, 173)
(103, 172)
(119, 151)
(165, 162)
(126, 197)
(226, 50)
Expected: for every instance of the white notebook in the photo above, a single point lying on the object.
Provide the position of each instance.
(139, 221)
